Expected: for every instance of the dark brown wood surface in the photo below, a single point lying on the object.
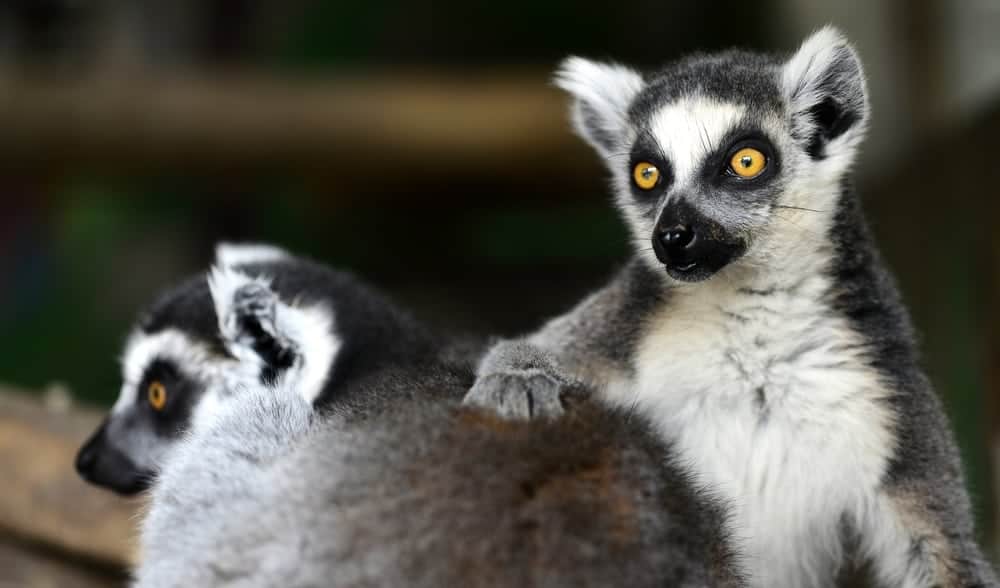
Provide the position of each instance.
(44, 506)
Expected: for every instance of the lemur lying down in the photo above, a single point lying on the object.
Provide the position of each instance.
(401, 486)
(175, 356)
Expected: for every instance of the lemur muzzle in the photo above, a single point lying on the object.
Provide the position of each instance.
(691, 246)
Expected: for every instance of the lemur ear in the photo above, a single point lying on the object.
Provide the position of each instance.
(233, 254)
(247, 311)
(602, 94)
(824, 88)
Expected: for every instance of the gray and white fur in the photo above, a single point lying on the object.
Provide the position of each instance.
(345, 328)
(756, 325)
(401, 486)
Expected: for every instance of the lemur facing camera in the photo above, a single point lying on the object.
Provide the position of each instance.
(177, 352)
(399, 486)
(756, 324)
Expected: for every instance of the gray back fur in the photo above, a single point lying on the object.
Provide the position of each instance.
(407, 489)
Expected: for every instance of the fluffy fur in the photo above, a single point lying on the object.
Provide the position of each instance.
(400, 487)
(416, 499)
(343, 330)
(788, 378)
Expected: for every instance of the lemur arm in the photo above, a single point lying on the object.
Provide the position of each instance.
(921, 532)
(590, 346)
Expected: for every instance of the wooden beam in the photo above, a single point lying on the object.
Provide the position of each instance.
(358, 128)
(44, 502)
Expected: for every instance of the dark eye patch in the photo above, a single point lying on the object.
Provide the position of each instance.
(161, 370)
(647, 150)
(716, 167)
(182, 393)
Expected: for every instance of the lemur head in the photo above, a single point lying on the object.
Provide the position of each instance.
(176, 362)
(718, 158)
(166, 366)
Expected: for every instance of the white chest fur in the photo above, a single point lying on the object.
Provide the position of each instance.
(767, 396)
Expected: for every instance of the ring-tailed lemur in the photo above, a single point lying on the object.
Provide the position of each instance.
(426, 494)
(176, 352)
(756, 324)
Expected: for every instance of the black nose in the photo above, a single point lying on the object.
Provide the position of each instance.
(86, 459)
(678, 238)
(691, 245)
(100, 463)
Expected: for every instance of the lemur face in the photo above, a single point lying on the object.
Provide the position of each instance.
(717, 158)
(169, 362)
(200, 344)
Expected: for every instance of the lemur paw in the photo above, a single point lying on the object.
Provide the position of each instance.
(247, 310)
(518, 395)
(518, 381)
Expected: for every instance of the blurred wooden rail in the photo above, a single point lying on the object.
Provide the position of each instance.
(350, 127)
(52, 524)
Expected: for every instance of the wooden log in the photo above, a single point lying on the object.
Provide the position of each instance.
(354, 128)
(44, 502)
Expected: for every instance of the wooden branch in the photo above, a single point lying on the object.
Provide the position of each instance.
(363, 129)
(44, 501)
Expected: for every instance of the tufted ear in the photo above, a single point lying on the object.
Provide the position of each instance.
(824, 87)
(233, 254)
(602, 94)
(293, 346)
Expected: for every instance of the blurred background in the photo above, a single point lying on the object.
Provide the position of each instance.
(421, 146)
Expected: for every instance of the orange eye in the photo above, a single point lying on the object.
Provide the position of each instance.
(748, 163)
(157, 395)
(646, 175)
